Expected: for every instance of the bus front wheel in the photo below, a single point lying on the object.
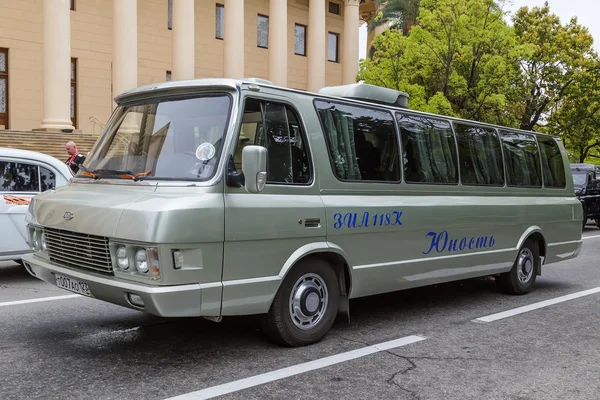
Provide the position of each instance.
(305, 305)
(521, 278)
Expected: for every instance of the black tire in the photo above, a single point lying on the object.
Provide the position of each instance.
(598, 223)
(279, 323)
(521, 278)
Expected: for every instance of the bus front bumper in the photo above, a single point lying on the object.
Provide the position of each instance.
(162, 301)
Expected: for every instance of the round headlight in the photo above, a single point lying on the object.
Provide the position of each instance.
(43, 242)
(122, 260)
(141, 261)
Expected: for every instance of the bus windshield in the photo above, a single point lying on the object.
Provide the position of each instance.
(170, 140)
(579, 180)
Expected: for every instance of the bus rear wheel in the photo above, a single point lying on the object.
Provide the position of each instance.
(521, 278)
(305, 305)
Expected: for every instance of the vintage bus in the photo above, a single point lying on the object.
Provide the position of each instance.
(219, 197)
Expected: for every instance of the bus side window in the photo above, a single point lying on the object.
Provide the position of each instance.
(522, 159)
(480, 155)
(429, 150)
(552, 163)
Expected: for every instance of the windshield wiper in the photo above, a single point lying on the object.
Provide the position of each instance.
(98, 173)
(136, 177)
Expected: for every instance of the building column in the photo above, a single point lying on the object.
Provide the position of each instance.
(183, 40)
(57, 65)
(317, 45)
(125, 46)
(233, 36)
(278, 42)
(350, 42)
(371, 36)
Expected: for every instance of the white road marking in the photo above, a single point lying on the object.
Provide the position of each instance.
(535, 306)
(261, 379)
(590, 237)
(40, 300)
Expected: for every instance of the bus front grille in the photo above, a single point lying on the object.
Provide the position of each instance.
(79, 250)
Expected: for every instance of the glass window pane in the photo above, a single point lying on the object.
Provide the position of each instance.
(428, 150)
(72, 101)
(361, 142)
(220, 20)
(72, 70)
(170, 17)
(480, 156)
(300, 40)
(18, 177)
(3, 97)
(522, 159)
(2, 61)
(276, 127)
(263, 31)
(332, 46)
(47, 179)
(552, 163)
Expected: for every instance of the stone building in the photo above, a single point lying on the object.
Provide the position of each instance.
(63, 61)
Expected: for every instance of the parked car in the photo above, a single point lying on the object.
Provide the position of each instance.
(23, 174)
(587, 189)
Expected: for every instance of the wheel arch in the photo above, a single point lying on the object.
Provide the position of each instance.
(536, 234)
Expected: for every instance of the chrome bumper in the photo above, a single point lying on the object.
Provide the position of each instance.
(162, 301)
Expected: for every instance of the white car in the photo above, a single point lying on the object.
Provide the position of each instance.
(23, 174)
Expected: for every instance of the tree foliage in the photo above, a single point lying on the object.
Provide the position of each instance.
(463, 59)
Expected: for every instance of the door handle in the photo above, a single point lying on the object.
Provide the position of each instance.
(312, 222)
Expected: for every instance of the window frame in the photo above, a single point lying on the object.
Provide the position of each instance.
(497, 134)
(327, 145)
(6, 76)
(72, 5)
(333, 3)
(217, 6)
(305, 27)
(437, 118)
(303, 133)
(75, 68)
(337, 47)
(539, 158)
(258, 17)
(35, 163)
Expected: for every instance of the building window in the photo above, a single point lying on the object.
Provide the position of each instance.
(334, 8)
(300, 40)
(168, 76)
(3, 88)
(73, 5)
(332, 47)
(170, 17)
(74, 92)
(263, 31)
(220, 21)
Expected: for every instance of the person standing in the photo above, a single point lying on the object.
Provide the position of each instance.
(75, 158)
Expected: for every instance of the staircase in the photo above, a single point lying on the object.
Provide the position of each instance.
(49, 143)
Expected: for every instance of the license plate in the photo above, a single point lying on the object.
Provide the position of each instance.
(72, 285)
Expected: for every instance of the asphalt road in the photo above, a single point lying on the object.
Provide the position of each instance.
(80, 348)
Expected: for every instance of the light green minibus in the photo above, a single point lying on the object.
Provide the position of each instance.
(219, 197)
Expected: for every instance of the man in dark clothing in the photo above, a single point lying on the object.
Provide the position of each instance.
(75, 158)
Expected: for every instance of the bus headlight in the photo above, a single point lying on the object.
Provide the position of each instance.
(122, 259)
(141, 261)
(43, 244)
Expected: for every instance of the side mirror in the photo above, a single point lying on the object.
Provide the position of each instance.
(254, 167)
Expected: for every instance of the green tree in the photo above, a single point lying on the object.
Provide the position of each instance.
(552, 58)
(400, 14)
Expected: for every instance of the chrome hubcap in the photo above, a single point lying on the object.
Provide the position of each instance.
(308, 301)
(525, 264)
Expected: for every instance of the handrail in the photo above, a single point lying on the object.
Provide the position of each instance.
(96, 122)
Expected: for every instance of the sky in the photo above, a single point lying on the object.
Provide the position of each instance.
(586, 11)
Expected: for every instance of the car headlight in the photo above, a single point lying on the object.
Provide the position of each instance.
(35, 242)
(141, 261)
(122, 259)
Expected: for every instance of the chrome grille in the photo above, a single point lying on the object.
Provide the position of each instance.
(79, 250)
